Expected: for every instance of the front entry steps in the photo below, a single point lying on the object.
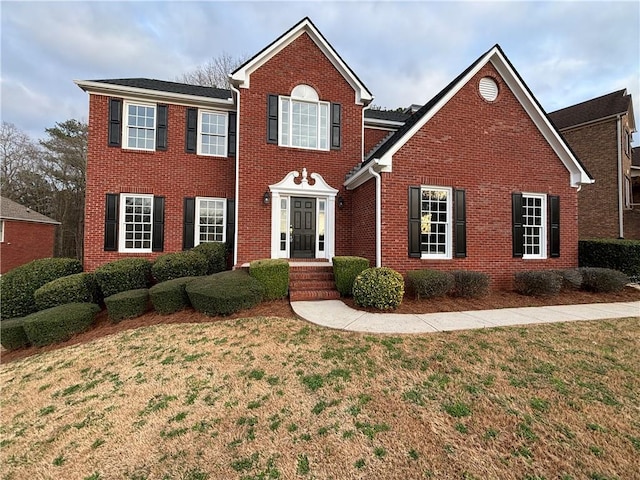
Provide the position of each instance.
(311, 280)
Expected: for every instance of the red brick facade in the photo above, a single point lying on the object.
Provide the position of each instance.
(24, 242)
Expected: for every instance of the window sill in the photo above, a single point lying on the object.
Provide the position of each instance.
(435, 257)
(306, 149)
(135, 251)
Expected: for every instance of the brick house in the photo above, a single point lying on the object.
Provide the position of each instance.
(25, 235)
(293, 163)
(600, 132)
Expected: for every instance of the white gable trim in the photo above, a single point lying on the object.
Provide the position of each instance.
(242, 76)
(511, 78)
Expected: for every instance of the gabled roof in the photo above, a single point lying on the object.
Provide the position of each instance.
(389, 115)
(242, 75)
(383, 155)
(10, 210)
(157, 89)
(606, 106)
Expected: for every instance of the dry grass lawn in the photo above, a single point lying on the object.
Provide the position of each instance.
(268, 398)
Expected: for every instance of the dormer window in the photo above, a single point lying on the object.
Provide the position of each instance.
(304, 120)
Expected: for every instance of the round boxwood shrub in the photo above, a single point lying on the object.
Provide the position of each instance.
(170, 296)
(18, 285)
(381, 288)
(225, 293)
(178, 265)
(12, 334)
(273, 274)
(429, 283)
(76, 288)
(603, 280)
(59, 323)
(538, 283)
(345, 271)
(469, 284)
(128, 304)
(216, 255)
(122, 275)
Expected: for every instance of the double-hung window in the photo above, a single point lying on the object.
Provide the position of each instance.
(304, 120)
(210, 220)
(136, 223)
(534, 219)
(140, 126)
(435, 222)
(212, 133)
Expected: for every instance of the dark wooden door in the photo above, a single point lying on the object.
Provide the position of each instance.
(303, 225)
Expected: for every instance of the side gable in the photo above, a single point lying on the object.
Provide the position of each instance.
(597, 109)
(383, 155)
(241, 77)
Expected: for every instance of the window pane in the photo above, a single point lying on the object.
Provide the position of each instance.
(211, 221)
(533, 225)
(434, 225)
(137, 222)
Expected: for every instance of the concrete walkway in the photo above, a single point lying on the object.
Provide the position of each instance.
(335, 314)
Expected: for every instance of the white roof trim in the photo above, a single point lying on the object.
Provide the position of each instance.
(101, 88)
(242, 76)
(578, 173)
(388, 124)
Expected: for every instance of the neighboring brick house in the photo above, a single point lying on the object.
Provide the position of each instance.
(25, 235)
(600, 132)
(293, 163)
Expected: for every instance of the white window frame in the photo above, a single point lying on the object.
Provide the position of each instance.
(126, 126)
(303, 94)
(224, 136)
(196, 237)
(543, 227)
(1, 231)
(447, 255)
(122, 224)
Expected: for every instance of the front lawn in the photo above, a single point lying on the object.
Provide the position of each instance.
(267, 398)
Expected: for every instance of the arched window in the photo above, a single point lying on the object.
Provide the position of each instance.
(304, 120)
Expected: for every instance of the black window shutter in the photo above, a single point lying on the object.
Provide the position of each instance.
(192, 130)
(231, 137)
(336, 126)
(518, 229)
(554, 225)
(111, 223)
(460, 210)
(272, 119)
(188, 223)
(414, 222)
(115, 122)
(157, 235)
(161, 127)
(231, 224)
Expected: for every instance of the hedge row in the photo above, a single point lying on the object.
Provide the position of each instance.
(551, 282)
(273, 274)
(429, 283)
(129, 304)
(622, 255)
(170, 296)
(76, 288)
(225, 293)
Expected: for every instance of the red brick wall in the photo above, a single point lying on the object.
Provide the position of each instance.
(363, 220)
(373, 136)
(24, 242)
(490, 150)
(263, 164)
(173, 174)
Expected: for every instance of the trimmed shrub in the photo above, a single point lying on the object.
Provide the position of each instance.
(571, 278)
(12, 334)
(622, 255)
(129, 304)
(603, 280)
(216, 255)
(538, 283)
(469, 284)
(225, 293)
(122, 275)
(59, 323)
(170, 296)
(18, 285)
(76, 288)
(345, 271)
(273, 274)
(178, 265)
(381, 288)
(429, 283)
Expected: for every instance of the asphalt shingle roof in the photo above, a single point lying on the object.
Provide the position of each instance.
(10, 210)
(172, 87)
(614, 103)
(390, 115)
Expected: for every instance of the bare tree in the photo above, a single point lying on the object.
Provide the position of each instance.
(214, 73)
(20, 154)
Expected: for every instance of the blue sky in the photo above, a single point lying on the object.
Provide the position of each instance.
(405, 52)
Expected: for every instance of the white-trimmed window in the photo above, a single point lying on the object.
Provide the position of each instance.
(211, 220)
(136, 223)
(534, 220)
(212, 133)
(139, 126)
(1, 230)
(304, 120)
(435, 222)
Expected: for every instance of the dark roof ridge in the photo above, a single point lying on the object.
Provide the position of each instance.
(622, 92)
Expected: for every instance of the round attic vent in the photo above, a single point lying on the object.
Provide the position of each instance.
(488, 89)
